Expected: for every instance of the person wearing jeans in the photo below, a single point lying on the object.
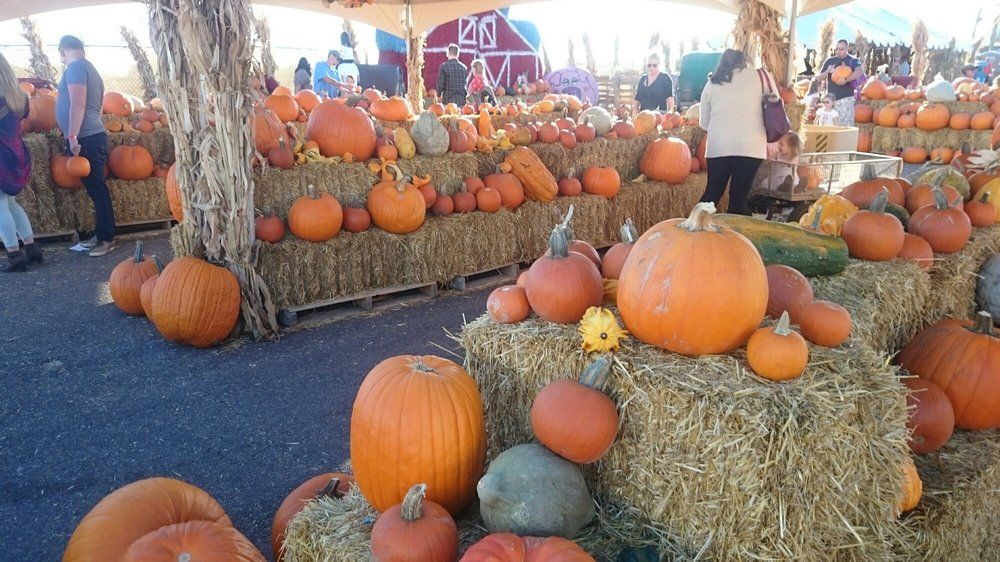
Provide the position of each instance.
(15, 166)
(731, 112)
(78, 112)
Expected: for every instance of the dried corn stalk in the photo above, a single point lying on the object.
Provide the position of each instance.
(352, 37)
(695, 43)
(665, 47)
(546, 65)
(414, 72)
(267, 63)
(758, 33)
(654, 40)
(862, 49)
(572, 58)
(141, 63)
(920, 38)
(589, 51)
(826, 32)
(616, 49)
(41, 67)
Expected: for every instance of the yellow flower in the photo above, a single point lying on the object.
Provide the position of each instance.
(600, 330)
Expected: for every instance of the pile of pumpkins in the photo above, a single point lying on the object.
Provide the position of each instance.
(189, 301)
(129, 114)
(41, 109)
(129, 162)
(886, 218)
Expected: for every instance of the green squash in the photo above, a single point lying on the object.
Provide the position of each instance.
(809, 252)
(899, 212)
(529, 490)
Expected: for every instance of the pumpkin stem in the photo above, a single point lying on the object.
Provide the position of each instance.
(596, 374)
(394, 168)
(783, 329)
(413, 503)
(816, 218)
(158, 263)
(628, 233)
(984, 198)
(700, 218)
(983, 323)
(940, 199)
(137, 255)
(331, 490)
(311, 192)
(559, 242)
(880, 201)
(868, 173)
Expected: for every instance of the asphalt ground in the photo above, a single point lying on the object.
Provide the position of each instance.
(92, 399)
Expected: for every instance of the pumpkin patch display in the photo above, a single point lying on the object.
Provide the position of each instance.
(562, 285)
(538, 182)
(130, 162)
(963, 359)
(195, 302)
(777, 352)
(268, 227)
(127, 279)
(824, 323)
(787, 291)
(315, 217)
(917, 250)
(416, 529)
(873, 234)
(601, 180)
(396, 206)
(529, 490)
(508, 304)
(508, 547)
(666, 159)
(340, 128)
(193, 540)
(574, 418)
(330, 485)
(418, 419)
(947, 229)
(931, 420)
(666, 294)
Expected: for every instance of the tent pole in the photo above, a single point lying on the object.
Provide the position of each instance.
(792, 42)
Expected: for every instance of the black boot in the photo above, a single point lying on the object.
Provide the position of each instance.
(16, 261)
(34, 253)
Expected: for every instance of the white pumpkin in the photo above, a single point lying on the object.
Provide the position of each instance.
(599, 118)
(693, 113)
(429, 135)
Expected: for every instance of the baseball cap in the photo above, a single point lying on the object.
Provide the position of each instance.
(70, 42)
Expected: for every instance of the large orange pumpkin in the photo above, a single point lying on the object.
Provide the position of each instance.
(506, 547)
(416, 529)
(195, 302)
(127, 278)
(947, 229)
(562, 284)
(574, 418)
(285, 107)
(391, 109)
(960, 121)
(932, 116)
(331, 485)
(872, 234)
(931, 420)
(396, 206)
(666, 159)
(601, 180)
(42, 113)
(982, 121)
(863, 113)
(864, 191)
(307, 100)
(201, 541)
(874, 89)
(339, 129)
(963, 359)
(914, 155)
(667, 294)
(60, 173)
(132, 511)
(418, 419)
(131, 162)
(315, 217)
(174, 194)
(117, 104)
(887, 116)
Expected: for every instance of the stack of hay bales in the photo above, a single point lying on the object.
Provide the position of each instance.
(885, 139)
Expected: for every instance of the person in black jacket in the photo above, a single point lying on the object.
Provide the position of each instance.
(655, 90)
(451, 78)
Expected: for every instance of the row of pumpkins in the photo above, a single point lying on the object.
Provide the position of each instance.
(927, 116)
(966, 90)
(138, 116)
(400, 206)
(125, 162)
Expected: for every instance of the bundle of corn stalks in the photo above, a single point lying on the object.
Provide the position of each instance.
(546, 65)
(572, 58)
(41, 67)
(141, 63)
(920, 38)
(654, 40)
(589, 51)
(414, 76)
(862, 48)
(616, 49)
(264, 36)
(665, 47)
(758, 33)
(352, 36)
(826, 32)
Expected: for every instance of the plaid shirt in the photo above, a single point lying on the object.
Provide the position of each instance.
(15, 162)
(451, 82)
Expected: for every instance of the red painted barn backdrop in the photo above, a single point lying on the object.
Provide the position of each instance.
(489, 36)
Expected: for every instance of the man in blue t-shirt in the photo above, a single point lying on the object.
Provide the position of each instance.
(326, 79)
(78, 113)
(842, 91)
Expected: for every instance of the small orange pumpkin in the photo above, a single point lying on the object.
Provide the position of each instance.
(562, 285)
(416, 529)
(777, 352)
(825, 323)
(268, 227)
(508, 304)
(872, 234)
(314, 217)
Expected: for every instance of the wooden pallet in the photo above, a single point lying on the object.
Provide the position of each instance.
(353, 305)
(486, 278)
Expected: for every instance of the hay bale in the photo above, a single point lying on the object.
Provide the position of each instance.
(328, 530)
(623, 155)
(957, 515)
(38, 197)
(796, 115)
(725, 463)
(277, 189)
(887, 301)
(953, 106)
(885, 139)
(159, 143)
(450, 169)
(954, 276)
(300, 272)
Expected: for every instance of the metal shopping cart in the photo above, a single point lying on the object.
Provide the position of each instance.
(784, 192)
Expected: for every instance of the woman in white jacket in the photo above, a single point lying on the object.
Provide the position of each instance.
(737, 143)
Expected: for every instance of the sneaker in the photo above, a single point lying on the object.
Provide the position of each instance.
(102, 249)
(84, 245)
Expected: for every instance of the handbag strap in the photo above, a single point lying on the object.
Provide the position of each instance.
(765, 81)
